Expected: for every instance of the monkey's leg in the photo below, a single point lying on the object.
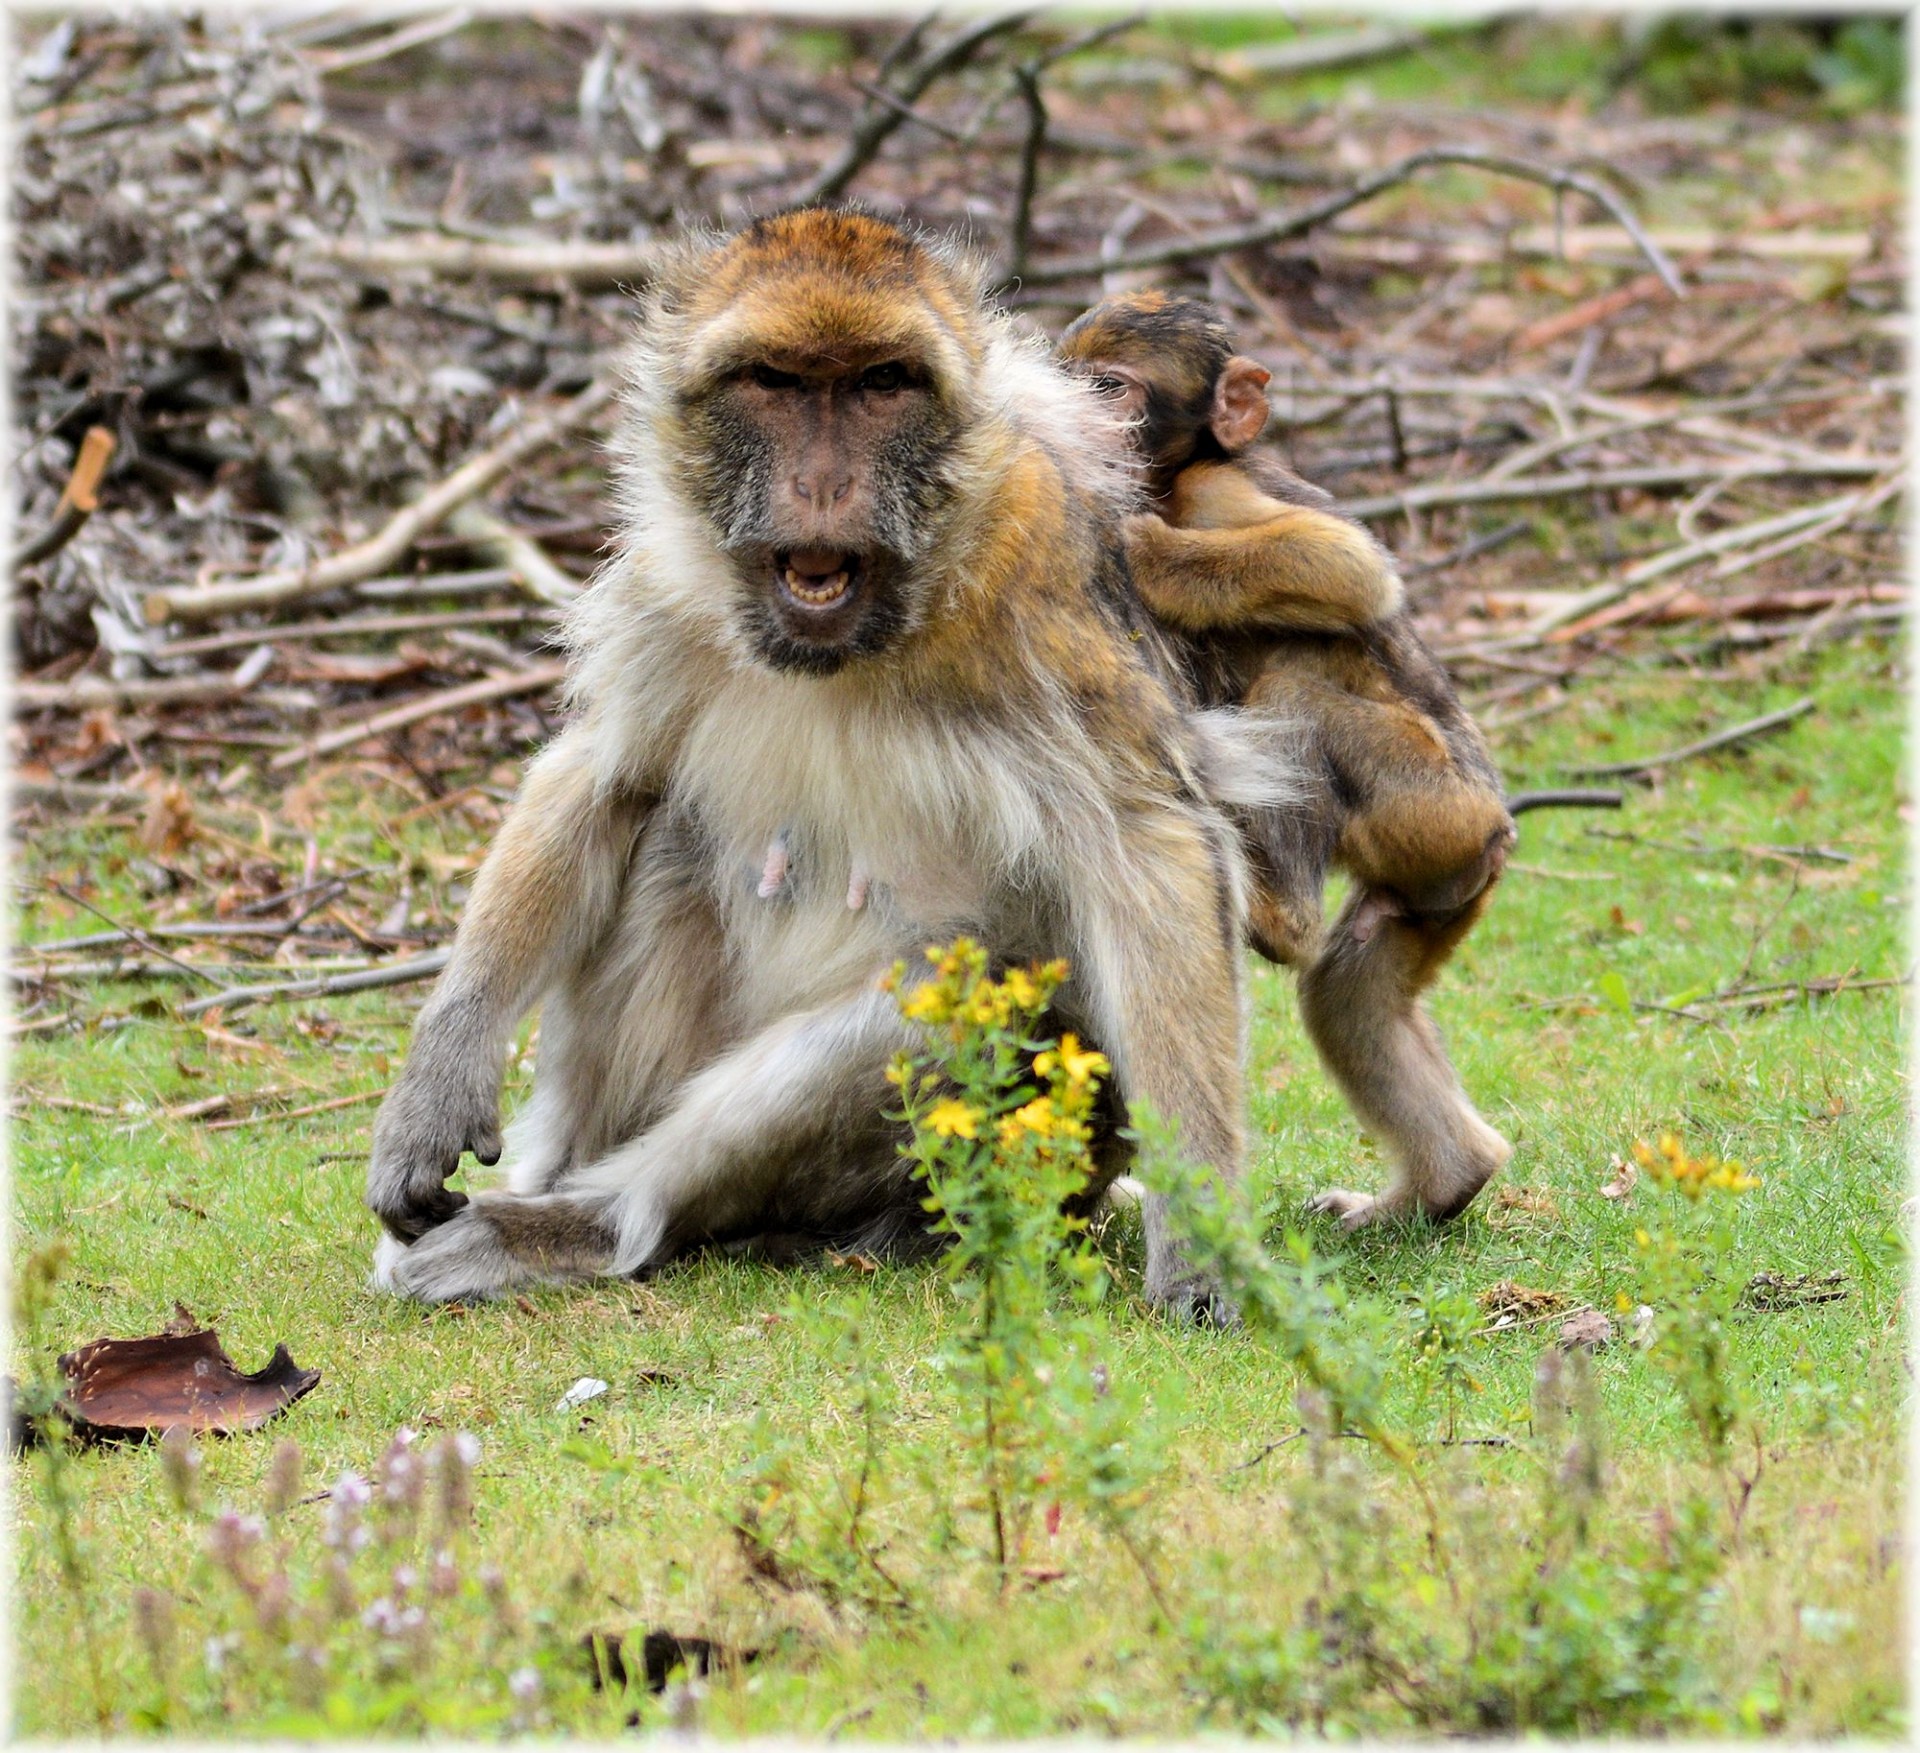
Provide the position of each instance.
(1360, 1001)
(1159, 951)
(786, 1130)
(548, 886)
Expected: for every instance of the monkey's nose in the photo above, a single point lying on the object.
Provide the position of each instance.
(822, 489)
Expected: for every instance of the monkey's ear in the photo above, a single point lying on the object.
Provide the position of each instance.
(1240, 403)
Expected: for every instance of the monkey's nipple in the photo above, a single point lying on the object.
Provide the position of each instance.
(816, 578)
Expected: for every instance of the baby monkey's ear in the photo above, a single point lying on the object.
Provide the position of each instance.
(1240, 403)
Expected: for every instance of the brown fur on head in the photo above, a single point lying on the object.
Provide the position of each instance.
(825, 366)
(1171, 365)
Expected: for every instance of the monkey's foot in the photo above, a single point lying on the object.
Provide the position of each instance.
(1354, 1210)
(1375, 908)
(463, 1258)
(1196, 1298)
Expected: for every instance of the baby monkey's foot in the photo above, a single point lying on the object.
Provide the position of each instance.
(1376, 906)
(1352, 1209)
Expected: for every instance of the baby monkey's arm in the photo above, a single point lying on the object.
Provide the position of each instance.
(1229, 557)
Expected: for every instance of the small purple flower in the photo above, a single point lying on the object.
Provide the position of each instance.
(153, 1621)
(180, 1467)
(443, 1579)
(230, 1538)
(455, 1459)
(340, 1593)
(524, 1684)
(272, 1602)
(401, 1473)
(345, 1530)
(283, 1479)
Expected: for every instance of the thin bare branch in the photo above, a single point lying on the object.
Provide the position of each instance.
(534, 680)
(366, 980)
(1304, 219)
(375, 555)
(1737, 733)
(79, 499)
(878, 122)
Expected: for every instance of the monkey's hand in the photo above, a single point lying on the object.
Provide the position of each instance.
(433, 1115)
(1300, 571)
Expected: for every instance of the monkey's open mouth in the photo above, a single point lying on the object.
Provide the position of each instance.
(816, 579)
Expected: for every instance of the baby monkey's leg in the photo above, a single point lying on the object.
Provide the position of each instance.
(1425, 838)
(1361, 1004)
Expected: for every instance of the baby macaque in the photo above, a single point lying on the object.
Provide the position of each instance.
(1285, 608)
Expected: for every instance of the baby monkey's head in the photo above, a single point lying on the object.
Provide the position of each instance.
(1169, 363)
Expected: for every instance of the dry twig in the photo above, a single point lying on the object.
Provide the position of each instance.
(1304, 219)
(1737, 733)
(375, 555)
(365, 980)
(533, 680)
(78, 501)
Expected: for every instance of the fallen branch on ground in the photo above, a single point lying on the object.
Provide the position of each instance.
(1595, 608)
(879, 120)
(1721, 739)
(1778, 992)
(368, 980)
(517, 552)
(87, 692)
(379, 552)
(528, 681)
(79, 499)
(1674, 607)
(1522, 801)
(270, 1116)
(591, 266)
(1646, 479)
(1304, 219)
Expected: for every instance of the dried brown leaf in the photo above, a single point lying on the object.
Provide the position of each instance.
(1624, 1177)
(1520, 1301)
(122, 1389)
(1588, 1328)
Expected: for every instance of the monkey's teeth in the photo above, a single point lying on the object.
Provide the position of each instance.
(816, 592)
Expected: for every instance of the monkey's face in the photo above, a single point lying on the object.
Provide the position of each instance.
(822, 476)
(823, 403)
(1158, 358)
(1166, 414)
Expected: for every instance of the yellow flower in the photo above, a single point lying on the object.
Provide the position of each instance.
(927, 1004)
(1020, 989)
(1081, 1065)
(1669, 1162)
(988, 1006)
(1037, 1117)
(953, 1119)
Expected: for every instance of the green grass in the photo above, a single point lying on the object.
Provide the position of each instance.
(261, 1230)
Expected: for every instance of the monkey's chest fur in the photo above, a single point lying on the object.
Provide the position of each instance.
(899, 825)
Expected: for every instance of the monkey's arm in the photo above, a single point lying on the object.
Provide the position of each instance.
(548, 886)
(1157, 949)
(1229, 557)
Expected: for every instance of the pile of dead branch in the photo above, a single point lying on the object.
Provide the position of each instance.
(318, 313)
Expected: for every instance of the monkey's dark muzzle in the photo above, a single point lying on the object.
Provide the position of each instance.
(821, 599)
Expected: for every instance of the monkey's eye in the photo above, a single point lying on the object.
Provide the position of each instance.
(884, 380)
(1109, 386)
(769, 379)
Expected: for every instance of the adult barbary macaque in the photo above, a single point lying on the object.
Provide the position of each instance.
(1281, 604)
(869, 611)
